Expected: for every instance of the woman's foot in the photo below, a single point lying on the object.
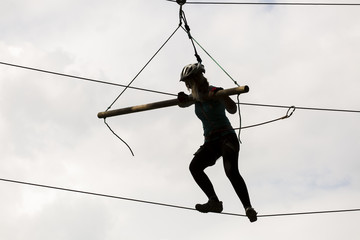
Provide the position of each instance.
(210, 206)
(251, 214)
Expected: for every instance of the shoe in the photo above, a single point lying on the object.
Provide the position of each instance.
(210, 206)
(251, 214)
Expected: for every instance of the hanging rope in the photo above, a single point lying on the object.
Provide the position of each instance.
(128, 86)
(216, 62)
(182, 18)
(240, 119)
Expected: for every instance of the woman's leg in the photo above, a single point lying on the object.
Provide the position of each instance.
(206, 156)
(230, 153)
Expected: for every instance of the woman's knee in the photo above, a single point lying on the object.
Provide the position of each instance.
(191, 167)
(195, 167)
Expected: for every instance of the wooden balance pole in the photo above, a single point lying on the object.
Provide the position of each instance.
(167, 103)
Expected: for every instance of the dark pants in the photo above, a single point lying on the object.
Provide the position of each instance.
(227, 147)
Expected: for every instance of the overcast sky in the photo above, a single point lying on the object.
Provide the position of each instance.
(307, 56)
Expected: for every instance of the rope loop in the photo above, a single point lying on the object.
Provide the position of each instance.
(290, 111)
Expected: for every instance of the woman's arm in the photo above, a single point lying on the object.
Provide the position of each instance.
(230, 105)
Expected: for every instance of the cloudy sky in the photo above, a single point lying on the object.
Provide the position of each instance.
(307, 56)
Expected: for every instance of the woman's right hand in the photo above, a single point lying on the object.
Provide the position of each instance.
(184, 100)
(182, 97)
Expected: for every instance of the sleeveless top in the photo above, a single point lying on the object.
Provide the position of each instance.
(214, 120)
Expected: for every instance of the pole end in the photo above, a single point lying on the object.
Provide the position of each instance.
(246, 88)
(100, 115)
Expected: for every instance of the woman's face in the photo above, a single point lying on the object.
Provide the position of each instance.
(199, 86)
(198, 80)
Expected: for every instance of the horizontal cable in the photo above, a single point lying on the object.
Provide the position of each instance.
(272, 3)
(82, 78)
(302, 108)
(168, 205)
(308, 213)
(166, 93)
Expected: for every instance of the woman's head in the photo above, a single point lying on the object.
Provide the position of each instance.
(191, 69)
(194, 79)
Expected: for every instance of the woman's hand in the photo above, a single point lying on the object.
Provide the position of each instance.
(184, 100)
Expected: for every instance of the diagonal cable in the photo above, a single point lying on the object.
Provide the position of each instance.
(148, 62)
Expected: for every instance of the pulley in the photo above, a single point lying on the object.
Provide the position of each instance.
(181, 2)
